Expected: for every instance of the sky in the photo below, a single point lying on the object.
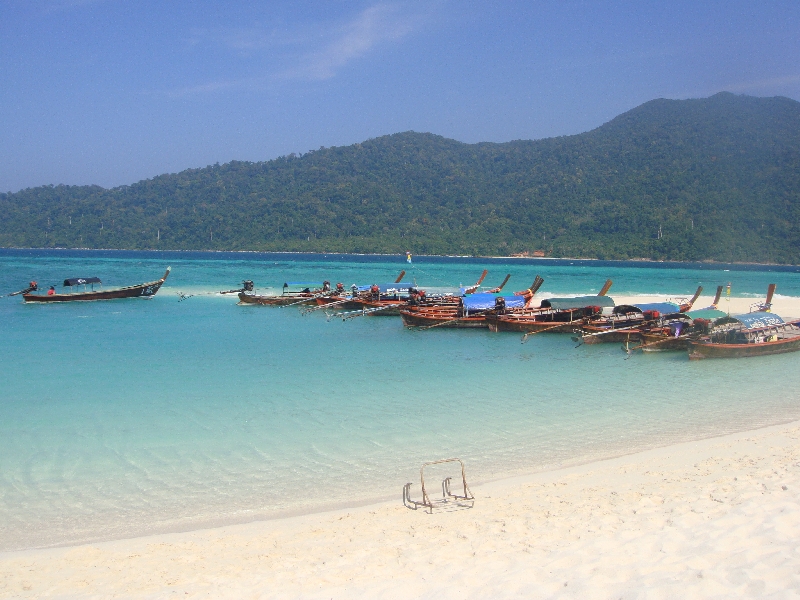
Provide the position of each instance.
(110, 92)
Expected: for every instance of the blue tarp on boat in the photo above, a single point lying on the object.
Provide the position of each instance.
(757, 320)
(389, 288)
(485, 301)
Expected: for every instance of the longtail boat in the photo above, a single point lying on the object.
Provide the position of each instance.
(557, 315)
(471, 310)
(142, 290)
(293, 293)
(673, 332)
(381, 299)
(748, 335)
(342, 301)
(626, 321)
(390, 299)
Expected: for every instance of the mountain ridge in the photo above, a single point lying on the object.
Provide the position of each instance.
(703, 179)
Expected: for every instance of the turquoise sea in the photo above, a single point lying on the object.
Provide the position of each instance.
(131, 417)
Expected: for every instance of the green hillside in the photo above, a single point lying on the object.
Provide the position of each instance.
(718, 177)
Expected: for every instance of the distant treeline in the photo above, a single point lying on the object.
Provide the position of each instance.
(711, 179)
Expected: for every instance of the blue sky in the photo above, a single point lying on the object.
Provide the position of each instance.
(113, 91)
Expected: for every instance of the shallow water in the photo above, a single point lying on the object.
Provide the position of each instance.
(137, 416)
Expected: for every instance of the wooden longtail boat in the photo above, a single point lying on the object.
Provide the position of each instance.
(626, 321)
(674, 331)
(742, 336)
(556, 315)
(390, 292)
(424, 317)
(293, 293)
(390, 299)
(380, 299)
(471, 310)
(143, 290)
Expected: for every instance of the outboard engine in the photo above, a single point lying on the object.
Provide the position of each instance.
(248, 286)
(591, 311)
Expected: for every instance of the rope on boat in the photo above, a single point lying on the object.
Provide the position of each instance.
(368, 311)
(323, 306)
(532, 333)
(583, 337)
(310, 298)
(630, 351)
(479, 312)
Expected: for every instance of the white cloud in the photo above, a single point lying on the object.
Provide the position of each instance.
(374, 26)
(316, 51)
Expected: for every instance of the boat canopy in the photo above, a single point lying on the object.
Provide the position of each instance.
(712, 314)
(665, 308)
(577, 302)
(486, 301)
(389, 288)
(757, 320)
(81, 281)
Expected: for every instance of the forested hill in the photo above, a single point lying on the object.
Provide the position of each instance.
(715, 178)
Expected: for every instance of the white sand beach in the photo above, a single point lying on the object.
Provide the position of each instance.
(714, 518)
(787, 307)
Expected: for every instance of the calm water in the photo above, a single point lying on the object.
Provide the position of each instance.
(137, 416)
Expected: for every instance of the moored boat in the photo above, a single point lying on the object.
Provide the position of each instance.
(674, 331)
(293, 293)
(380, 299)
(470, 312)
(748, 335)
(556, 315)
(141, 290)
(627, 321)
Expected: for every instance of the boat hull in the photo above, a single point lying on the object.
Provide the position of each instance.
(700, 349)
(528, 325)
(657, 342)
(441, 319)
(379, 308)
(143, 290)
(601, 335)
(264, 300)
(245, 298)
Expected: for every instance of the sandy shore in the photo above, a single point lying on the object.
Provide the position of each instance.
(715, 518)
(786, 306)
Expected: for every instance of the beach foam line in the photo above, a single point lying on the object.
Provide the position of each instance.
(717, 517)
